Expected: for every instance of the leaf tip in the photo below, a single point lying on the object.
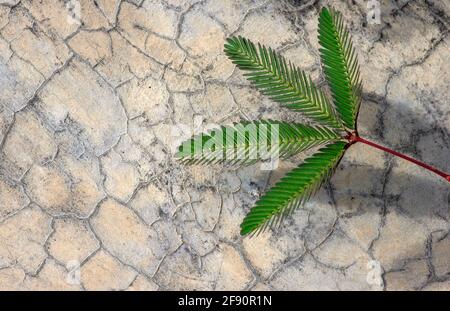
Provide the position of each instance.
(245, 230)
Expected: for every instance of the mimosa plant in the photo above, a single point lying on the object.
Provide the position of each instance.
(334, 120)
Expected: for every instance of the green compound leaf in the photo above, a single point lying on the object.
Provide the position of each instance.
(340, 66)
(250, 141)
(293, 189)
(281, 81)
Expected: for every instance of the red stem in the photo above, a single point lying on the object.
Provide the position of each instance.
(355, 138)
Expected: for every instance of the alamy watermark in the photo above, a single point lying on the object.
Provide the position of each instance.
(374, 274)
(73, 8)
(73, 276)
(373, 12)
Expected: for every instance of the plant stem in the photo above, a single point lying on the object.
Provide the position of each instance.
(355, 138)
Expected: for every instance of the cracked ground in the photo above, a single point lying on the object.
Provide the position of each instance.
(92, 97)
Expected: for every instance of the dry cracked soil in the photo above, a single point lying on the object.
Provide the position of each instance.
(94, 96)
